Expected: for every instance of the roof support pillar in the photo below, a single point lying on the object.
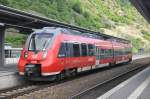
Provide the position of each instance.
(2, 52)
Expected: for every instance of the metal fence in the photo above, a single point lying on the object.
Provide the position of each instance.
(12, 55)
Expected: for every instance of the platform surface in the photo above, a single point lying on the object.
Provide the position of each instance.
(9, 77)
(136, 87)
(8, 69)
(9, 74)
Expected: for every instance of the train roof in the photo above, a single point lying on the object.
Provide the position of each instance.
(96, 35)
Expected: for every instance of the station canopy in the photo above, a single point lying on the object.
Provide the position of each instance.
(143, 6)
(25, 21)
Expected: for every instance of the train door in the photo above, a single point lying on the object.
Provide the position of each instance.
(68, 54)
(62, 54)
(65, 54)
(97, 55)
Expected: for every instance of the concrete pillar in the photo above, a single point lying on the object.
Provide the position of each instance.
(2, 52)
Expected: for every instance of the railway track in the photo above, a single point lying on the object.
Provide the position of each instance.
(83, 93)
(30, 87)
(16, 92)
(26, 89)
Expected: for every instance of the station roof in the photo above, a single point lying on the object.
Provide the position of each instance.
(26, 22)
(13, 17)
(143, 6)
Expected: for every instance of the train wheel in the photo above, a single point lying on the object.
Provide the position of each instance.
(60, 76)
(74, 73)
(112, 64)
(67, 73)
(70, 72)
(130, 59)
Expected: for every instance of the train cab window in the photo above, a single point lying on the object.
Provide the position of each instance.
(62, 50)
(91, 50)
(40, 41)
(76, 50)
(84, 49)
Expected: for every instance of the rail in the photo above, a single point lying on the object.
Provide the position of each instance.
(82, 93)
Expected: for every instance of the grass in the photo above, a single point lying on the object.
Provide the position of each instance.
(91, 14)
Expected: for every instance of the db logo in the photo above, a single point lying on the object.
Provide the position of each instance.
(34, 56)
(90, 59)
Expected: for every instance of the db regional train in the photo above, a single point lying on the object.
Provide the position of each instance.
(54, 52)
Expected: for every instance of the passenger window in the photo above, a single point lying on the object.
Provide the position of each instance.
(112, 52)
(84, 49)
(91, 50)
(102, 53)
(107, 53)
(76, 50)
(115, 52)
(62, 50)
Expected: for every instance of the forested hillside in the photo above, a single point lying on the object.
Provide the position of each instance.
(113, 17)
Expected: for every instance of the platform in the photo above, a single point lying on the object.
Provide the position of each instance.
(9, 77)
(8, 69)
(136, 87)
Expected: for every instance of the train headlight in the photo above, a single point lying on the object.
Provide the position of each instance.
(44, 55)
(25, 55)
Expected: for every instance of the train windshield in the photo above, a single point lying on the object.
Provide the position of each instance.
(40, 42)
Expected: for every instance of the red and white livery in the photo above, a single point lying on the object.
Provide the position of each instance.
(55, 51)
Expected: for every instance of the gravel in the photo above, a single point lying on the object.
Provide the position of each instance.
(70, 88)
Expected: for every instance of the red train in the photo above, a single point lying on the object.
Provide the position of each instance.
(55, 52)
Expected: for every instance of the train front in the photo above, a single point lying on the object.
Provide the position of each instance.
(37, 56)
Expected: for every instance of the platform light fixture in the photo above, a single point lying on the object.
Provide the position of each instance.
(2, 24)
